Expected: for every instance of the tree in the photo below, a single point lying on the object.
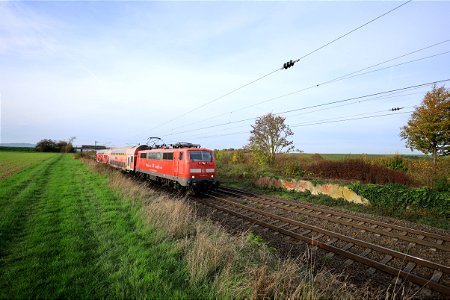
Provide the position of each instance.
(428, 130)
(46, 145)
(270, 136)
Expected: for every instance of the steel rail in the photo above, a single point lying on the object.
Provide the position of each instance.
(405, 273)
(356, 218)
(292, 207)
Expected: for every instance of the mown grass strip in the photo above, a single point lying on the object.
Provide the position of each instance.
(65, 234)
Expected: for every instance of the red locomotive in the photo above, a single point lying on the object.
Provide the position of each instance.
(181, 165)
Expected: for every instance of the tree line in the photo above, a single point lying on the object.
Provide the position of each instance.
(49, 145)
(428, 130)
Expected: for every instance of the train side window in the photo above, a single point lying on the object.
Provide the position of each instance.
(154, 155)
(168, 156)
(181, 155)
(143, 155)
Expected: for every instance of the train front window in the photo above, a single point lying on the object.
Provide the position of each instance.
(200, 156)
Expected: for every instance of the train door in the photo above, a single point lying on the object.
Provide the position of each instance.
(130, 163)
(176, 159)
(180, 163)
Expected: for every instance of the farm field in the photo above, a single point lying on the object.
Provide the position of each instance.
(336, 156)
(12, 162)
(64, 233)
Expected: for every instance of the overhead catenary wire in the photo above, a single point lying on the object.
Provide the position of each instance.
(336, 79)
(309, 124)
(218, 98)
(315, 106)
(355, 29)
(353, 119)
(350, 116)
(383, 97)
(392, 59)
(284, 67)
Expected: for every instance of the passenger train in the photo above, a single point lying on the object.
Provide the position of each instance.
(182, 165)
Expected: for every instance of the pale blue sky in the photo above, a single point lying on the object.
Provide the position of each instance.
(118, 72)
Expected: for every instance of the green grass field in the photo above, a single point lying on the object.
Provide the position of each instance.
(65, 234)
(14, 162)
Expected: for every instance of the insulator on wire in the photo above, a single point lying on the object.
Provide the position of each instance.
(289, 64)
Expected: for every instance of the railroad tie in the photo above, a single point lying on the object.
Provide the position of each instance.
(294, 228)
(409, 267)
(329, 242)
(348, 262)
(436, 276)
(305, 232)
(384, 261)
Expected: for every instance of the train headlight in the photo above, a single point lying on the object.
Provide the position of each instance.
(193, 176)
(212, 176)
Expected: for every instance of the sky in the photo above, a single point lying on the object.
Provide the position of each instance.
(115, 73)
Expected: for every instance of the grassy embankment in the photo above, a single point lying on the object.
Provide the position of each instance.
(69, 229)
(64, 233)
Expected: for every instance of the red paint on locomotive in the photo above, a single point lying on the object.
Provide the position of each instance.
(189, 167)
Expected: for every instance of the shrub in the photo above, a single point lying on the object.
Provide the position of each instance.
(288, 165)
(397, 198)
(422, 171)
(355, 169)
(395, 162)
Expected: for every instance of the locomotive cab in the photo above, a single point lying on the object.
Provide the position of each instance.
(202, 168)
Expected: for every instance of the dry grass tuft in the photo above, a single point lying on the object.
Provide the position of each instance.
(297, 279)
(212, 251)
(233, 266)
(175, 217)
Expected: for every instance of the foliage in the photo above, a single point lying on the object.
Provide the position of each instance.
(356, 169)
(394, 197)
(426, 173)
(289, 165)
(16, 149)
(395, 162)
(270, 136)
(48, 145)
(428, 130)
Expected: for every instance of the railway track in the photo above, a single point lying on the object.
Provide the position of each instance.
(414, 255)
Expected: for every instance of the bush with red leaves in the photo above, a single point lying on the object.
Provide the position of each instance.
(355, 169)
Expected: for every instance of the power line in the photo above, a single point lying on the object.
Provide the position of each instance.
(356, 102)
(399, 64)
(333, 80)
(350, 116)
(285, 66)
(339, 78)
(353, 30)
(365, 96)
(345, 104)
(309, 124)
(392, 59)
(218, 98)
(317, 105)
(352, 119)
